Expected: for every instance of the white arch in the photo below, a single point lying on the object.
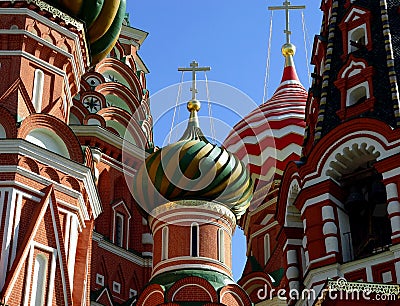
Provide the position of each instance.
(49, 140)
(371, 138)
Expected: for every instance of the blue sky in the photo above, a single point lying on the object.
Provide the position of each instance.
(232, 37)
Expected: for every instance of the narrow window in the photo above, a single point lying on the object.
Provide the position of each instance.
(357, 39)
(221, 245)
(116, 287)
(195, 240)
(358, 94)
(39, 281)
(164, 251)
(99, 279)
(37, 94)
(266, 248)
(119, 229)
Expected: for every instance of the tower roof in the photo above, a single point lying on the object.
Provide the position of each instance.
(193, 169)
(272, 134)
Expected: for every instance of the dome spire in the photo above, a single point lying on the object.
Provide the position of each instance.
(193, 130)
(288, 49)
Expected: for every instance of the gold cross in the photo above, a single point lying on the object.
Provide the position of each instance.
(287, 7)
(194, 67)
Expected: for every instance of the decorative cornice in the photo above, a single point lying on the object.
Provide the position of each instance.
(110, 138)
(65, 165)
(342, 285)
(55, 13)
(220, 209)
(112, 248)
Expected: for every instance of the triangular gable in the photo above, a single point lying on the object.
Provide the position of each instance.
(47, 206)
(25, 106)
(105, 298)
(354, 14)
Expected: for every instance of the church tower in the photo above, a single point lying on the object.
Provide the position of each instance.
(193, 192)
(266, 140)
(49, 171)
(341, 203)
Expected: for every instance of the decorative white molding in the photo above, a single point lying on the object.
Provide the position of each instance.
(67, 166)
(108, 246)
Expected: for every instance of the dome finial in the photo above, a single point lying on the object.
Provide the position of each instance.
(193, 130)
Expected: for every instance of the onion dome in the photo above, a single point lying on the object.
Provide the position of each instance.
(272, 134)
(193, 169)
(103, 19)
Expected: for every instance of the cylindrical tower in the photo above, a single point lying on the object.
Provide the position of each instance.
(193, 192)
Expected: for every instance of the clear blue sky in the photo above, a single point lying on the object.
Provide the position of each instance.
(232, 37)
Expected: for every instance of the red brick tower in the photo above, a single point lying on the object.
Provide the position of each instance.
(111, 115)
(266, 140)
(340, 206)
(194, 192)
(48, 197)
(54, 154)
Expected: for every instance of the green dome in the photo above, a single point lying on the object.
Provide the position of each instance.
(193, 169)
(103, 19)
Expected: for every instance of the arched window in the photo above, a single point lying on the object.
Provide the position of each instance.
(39, 281)
(267, 248)
(357, 94)
(194, 241)
(164, 251)
(357, 38)
(119, 229)
(221, 245)
(37, 94)
(2, 132)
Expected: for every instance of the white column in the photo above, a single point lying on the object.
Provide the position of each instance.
(393, 209)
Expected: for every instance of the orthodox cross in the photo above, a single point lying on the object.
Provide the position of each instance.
(194, 67)
(287, 7)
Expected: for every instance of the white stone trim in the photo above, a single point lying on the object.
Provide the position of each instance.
(108, 246)
(125, 227)
(190, 266)
(350, 139)
(54, 26)
(8, 226)
(67, 166)
(38, 61)
(58, 250)
(110, 138)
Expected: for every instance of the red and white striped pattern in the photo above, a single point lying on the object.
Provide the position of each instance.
(272, 135)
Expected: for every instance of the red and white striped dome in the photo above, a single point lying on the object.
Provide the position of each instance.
(272, 135)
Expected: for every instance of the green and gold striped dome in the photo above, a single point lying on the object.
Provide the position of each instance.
(103, 19)
(193, 169)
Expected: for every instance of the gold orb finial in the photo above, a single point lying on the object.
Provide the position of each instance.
(193, 105)
(288, 49)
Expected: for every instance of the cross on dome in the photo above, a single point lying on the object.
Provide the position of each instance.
(194, 67)
(287, 7)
